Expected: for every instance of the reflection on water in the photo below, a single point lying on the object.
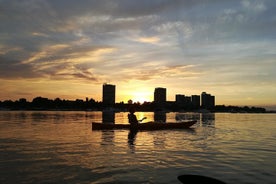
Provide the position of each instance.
(187, 116)
(60, 147)
(107, 137)
(131, 139)
(160, 116)
(208, 118)
(108, 117)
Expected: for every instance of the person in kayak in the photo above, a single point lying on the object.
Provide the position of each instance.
(132, 119)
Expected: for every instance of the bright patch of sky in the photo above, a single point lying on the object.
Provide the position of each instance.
(226, 48)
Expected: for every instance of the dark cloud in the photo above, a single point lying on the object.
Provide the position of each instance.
(79, 74)
(120, 8)
(12, 69)
(30, 30)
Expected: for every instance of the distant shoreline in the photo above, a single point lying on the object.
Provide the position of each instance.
(45, 104)
(119, 111)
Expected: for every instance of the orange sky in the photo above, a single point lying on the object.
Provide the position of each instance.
(225, 48)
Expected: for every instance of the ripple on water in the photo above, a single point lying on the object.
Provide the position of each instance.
(61, 148)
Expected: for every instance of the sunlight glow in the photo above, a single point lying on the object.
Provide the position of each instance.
(141, 96)
(125, 45)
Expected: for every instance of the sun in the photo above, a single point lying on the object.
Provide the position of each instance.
(136, 92)
(141, 97)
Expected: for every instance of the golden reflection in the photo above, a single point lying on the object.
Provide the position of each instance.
(148, 115)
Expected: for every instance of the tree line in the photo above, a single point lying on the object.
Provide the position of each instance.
(42, 103)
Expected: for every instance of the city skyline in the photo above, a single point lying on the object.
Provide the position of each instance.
(67, 49)
(159, 95)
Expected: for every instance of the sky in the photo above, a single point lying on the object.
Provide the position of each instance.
(69, 49)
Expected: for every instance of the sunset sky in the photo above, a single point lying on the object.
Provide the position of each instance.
(69, 48)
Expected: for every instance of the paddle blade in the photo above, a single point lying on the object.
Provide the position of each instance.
(142, 119)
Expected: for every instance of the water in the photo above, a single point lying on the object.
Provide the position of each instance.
(60, 147)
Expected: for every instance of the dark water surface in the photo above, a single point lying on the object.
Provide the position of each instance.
(60, 147)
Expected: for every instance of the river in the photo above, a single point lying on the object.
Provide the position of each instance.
(61, 147)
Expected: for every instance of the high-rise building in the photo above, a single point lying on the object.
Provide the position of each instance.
(179, 99)
(109, 94)
(207, 100)
(196, 101)
(160, 95)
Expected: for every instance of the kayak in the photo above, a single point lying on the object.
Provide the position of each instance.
(144, 126)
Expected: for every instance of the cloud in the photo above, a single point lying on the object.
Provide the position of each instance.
(219, 41)
(12, 69)
(63, 62)
(256, 6)
(152, 71)
(151, 40)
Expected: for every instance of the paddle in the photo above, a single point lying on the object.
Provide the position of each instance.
(198, 179)
(142, 119)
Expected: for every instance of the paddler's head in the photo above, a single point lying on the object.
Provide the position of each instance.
(132, 110)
